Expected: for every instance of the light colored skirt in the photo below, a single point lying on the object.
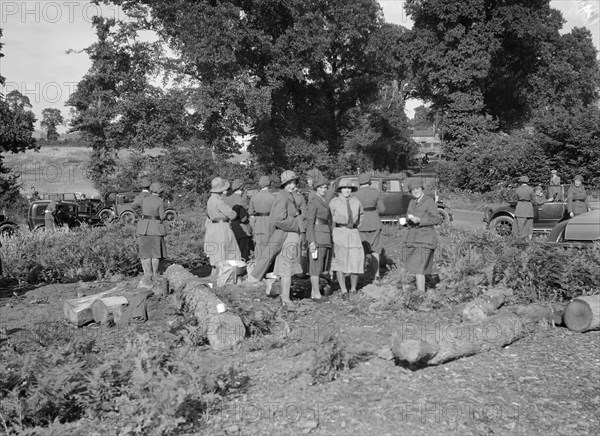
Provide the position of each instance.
(348, 253)
(287, 262)
(220, 243)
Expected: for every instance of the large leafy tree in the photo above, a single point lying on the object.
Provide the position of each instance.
(51, 117)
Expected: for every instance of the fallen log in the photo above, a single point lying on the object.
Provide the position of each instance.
(486, 304)
(108, 307)
(583, 314)
(435, 344)
(78, 311)
(222, 330)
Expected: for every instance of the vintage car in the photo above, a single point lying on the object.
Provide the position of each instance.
(117, 206)
(88, 207)
(7, 228)
(67, 213)
(396, 196)
(581, 228)
(545, 216)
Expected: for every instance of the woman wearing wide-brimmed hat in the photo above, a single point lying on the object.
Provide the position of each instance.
(348, 254)
(219, 240)
(151, 232)
(420, 238)
(524, 209)
(577, 198)
(318, 234)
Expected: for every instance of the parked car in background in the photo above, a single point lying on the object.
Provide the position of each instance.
(67, 213)
(545, 216)
(7, 227)
(584, 228)
(396, 196)
(117, 206)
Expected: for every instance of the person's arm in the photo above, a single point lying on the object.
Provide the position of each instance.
(570, 201)
(311, 216)
(136, 206)
(227, 211)
(161, 210)
(431, 217)
(380, 206)
(280, 218)
(361, 213)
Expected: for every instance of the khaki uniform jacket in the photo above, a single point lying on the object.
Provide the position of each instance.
(339, 210)
(318, 232)
(261, 203)
(423, 233)
(524, 207)
(284, 214)
(241, 224)
(302, 208)
(372, 202)
(137, 202)
(153, 206)
(577, 200)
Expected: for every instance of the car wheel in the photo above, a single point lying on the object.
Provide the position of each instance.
(106, 215)
(170, 215)
(8, 230)
(127, 217)
(502, 225)
(445, 216)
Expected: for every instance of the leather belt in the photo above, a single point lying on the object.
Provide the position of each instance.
(151, 217)
(221, 220)
(320, 222)
(261, 214)
(370, 209)
(583, 201)
(344, 225)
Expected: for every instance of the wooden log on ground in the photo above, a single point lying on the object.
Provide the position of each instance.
(78, 311)
(583, 314)
(486, 304)
(105, 308)
(439, 343)
(222, 330)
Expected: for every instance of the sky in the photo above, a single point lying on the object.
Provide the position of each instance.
(38, 34)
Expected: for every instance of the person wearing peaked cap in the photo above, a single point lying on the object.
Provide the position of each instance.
(240, 225)
(348, 255)
(554, 189)
(151, 232)
(259, 209)
(219, 241)
(370, 228)
(577, 198)
(318, 235)
(524, 209)
(284, 240)
(137, 202)
(420, 239)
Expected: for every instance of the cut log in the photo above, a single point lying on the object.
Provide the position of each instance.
(432, 345)
(78, 311)
(222, 330)
(105, 308)
(583, 314)
(486, 304)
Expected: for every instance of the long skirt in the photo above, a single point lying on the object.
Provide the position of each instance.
(419, 259)
(151, 247)
(348, 253)
(220, 243)
(287, 262)
(523, 227)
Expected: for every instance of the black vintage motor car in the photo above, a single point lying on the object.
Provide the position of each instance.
(545, 216)
(67, 213)
(117, 206)
(7, 227)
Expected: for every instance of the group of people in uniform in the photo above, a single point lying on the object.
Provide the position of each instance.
(528, 198)
(338, 229)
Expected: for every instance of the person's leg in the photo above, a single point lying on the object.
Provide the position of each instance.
(155, 265)
(353, 282)
(376, 257)
(341, 277)
(314, 283)
(286, 285)
(147, 267)
(420, 282)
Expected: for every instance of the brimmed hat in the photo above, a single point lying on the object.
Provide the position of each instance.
(156, 187)
(524, 179)
(347, 183)
(578, 177)
(554, 171)
(264, 181)
(415, 183)
(314, 174)
(145, 183)
(218, 185)
(237, 184)
(364, 178)
(319, 181)
(287, 176)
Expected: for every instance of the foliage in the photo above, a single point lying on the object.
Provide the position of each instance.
(51, 118)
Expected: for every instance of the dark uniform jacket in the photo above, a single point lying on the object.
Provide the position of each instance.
(153, 212)
(137, 202)
(524, 207)
(372, 202)
(318, 222)
(423, 233)
(300, 203)
(241, 224)
(259, 209)
(577, 200)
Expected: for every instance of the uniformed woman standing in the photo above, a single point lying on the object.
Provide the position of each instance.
(348, 254)
(219, 241)
(577, 198)
(420, 238)
(318, 235)
(259, 210)
(151, 232)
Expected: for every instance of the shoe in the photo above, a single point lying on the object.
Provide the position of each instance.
(319, 300)
(346, 296)
(288, 307)
(377, 281)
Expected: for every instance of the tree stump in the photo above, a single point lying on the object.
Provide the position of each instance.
(583, 314)
(105, 308)
(78, 311)
(486, 304)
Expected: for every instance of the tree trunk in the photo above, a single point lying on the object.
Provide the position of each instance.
(222, 330)
(583, 314)
(103, 308)
(79, 310)
(486, 304)
(432, 345)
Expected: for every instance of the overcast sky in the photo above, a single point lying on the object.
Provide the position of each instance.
(37, 35)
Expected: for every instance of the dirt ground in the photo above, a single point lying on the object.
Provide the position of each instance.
(546, 383)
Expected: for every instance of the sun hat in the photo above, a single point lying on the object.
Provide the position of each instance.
(237, 184)
(415, 183)
(218, 185)
(578, 177)
(145, 183)
(314, 174)
(364, 178)
(347, 183)
(286, 177)
(264, 181)
(524, 179)
(319, 181)
(156, 188)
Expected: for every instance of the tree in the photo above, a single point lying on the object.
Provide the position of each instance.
(51, 118)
